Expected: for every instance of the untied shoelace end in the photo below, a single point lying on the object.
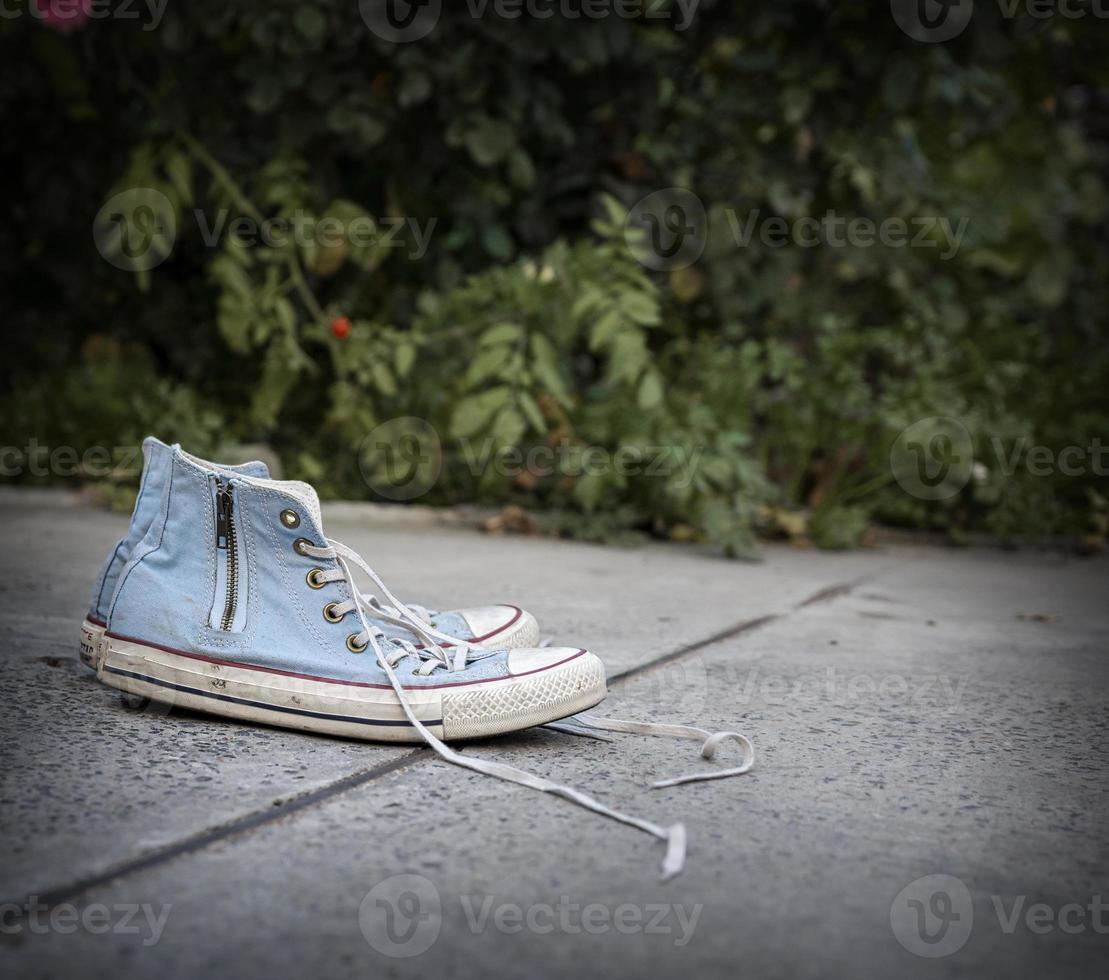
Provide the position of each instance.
(674, 861)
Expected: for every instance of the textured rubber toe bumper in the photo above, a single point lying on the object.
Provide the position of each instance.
(572, 684)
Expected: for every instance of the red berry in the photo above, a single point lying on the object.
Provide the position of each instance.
(340, 327)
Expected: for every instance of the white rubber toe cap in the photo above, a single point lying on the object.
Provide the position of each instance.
(501, 626)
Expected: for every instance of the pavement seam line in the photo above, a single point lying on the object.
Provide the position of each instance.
(827, 594)
(732, 631)
(277, 810)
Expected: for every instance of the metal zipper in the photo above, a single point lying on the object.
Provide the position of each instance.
(227, 540)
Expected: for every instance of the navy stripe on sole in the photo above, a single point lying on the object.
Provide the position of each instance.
(257, 704)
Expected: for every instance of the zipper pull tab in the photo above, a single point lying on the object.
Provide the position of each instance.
(223, 514)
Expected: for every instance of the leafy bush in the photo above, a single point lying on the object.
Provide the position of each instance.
(509, 309)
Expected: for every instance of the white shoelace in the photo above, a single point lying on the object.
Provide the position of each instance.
(713, 741)
(390, 651)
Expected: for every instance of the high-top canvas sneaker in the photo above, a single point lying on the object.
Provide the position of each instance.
(234, 602)
(502, 625)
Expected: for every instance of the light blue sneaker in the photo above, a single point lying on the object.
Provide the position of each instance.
(505, 626)
(235, 603)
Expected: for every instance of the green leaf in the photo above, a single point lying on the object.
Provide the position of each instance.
(616, 213)
(404, 357)
(472, 414)
(584, 304)
(179, 168)
(383, 378)
(489, 140)
(497, 242)
(485, 365)
(650, 390)
(604, 329)
(500, 333)
(627, 356)
(589, 489)
(521, 171)
(415, 87)
(545, 365)
(310, 22)
(286, 314)
(796, 102)
(233, 321)
(231, 276)
(531, 410)
(509, 427)
(278, 376)
(641, 308)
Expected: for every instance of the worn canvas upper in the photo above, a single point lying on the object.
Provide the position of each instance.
(155, 472)
(168, 587)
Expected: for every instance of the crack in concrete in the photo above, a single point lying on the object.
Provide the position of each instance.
(277, 810)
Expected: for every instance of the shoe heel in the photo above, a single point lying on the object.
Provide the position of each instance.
(88, 647)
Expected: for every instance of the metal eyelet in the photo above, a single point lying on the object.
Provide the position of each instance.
(290, 518)
(353, 647)
(313, 578)
(300, 544)
(330, 615)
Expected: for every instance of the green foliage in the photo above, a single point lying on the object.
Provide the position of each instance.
(461, 202)
(94, 417)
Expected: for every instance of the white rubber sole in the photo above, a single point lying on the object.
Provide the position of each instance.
(353, 710)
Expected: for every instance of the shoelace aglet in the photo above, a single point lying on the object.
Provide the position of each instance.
(674, 861)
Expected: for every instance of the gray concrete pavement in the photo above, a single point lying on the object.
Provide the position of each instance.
(916, 718)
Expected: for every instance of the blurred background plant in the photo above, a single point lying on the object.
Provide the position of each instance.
(495, 160)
